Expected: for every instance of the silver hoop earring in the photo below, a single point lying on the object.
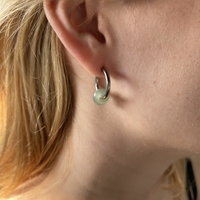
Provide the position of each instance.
(101, 96)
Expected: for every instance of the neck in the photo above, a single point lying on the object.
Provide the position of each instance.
(112, 158)
(109, 163)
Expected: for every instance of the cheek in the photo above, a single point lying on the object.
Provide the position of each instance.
(159, 48)
(173, 100)
(154, 32)
(170, 79)
(171, 112)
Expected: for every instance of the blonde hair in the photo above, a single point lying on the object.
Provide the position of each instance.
(36, 96)
(176, 178)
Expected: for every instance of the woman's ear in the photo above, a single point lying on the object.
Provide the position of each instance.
(76, 24)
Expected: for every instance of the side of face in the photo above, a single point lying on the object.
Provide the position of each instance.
(155, 48)
(151, 48)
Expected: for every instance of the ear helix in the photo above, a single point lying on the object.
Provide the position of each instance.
(101, 96)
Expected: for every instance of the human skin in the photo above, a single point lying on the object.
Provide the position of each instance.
(152, 53)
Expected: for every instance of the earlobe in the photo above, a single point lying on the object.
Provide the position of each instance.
(78, 31)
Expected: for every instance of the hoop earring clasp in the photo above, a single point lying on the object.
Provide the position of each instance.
(101, 96)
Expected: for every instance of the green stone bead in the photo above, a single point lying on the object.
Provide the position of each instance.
(98, 97)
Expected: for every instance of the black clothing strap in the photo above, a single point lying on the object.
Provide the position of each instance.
(191, 187)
